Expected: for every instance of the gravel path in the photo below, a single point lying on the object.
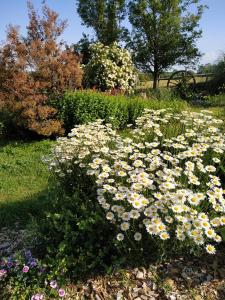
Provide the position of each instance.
(11, 239)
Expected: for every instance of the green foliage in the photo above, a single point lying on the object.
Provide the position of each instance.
(105, 17)
(217, 68)
(216, 84)
(82, 48)
(208, 68)
(164, 34)
(85, 106)
(75, 235)
(219, 77)
(161, 94)
(76, 238)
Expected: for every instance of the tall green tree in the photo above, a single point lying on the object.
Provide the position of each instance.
(164, 33)
(82, 48)
(105, 17)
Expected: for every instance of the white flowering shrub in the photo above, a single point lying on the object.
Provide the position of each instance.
(110, 67)
(160, 181)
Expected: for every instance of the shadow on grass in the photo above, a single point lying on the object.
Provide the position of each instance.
(4, 141)
(24, 210)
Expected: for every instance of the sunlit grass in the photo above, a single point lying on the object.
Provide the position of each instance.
(24, 180)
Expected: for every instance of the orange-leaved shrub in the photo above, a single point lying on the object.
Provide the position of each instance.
(35, 68)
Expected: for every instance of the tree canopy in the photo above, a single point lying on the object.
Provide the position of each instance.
(164, 33)
(105, 17)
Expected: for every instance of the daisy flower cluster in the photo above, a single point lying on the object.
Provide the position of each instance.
(161, 179)
(111, 67)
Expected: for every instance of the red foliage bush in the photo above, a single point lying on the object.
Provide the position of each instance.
(35, 68)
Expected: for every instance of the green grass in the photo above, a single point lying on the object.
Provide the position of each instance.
(216, 104)
(24, 181)
(217, 100)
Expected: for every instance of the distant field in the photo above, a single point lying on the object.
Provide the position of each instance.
(163, 83)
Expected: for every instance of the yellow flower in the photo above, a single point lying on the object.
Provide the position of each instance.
(210, 249)
(164, 236)
(210, 233)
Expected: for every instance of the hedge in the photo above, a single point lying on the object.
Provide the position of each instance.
(80, 107)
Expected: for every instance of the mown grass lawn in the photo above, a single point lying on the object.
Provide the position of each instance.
(24, 180)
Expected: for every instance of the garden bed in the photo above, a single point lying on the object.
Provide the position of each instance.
(78, 240)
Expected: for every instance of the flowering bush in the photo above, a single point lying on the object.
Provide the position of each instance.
(110, 68)
(160, 182)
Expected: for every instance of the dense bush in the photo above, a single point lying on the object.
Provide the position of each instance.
(84, 106)
(75, 235)
(160, 183)
(32, 69)
(110, 67)
(219, 76)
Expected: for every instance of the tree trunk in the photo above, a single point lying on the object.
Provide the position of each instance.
(155, 80)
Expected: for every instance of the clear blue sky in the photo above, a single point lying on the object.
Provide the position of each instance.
(211, 44)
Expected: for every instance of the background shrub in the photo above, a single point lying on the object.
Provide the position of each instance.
(110, 67)
(84, 106)
(216, 84)
(32, 69)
